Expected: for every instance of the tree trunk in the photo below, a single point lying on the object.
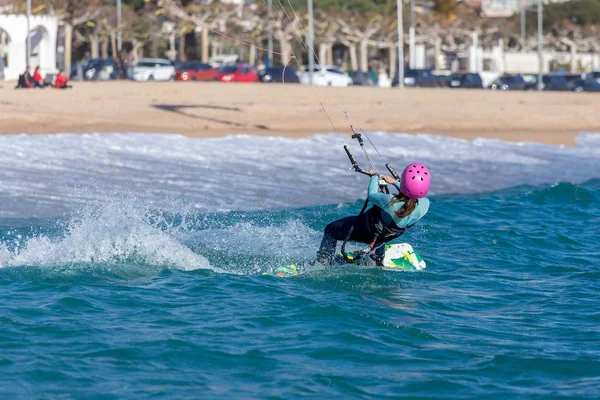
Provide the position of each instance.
(438, 52)
(113, 46)
(104, 47)
(204, 45)
(393, 60)
(364, 56)
(285, 49)
(182, 56)
(2, 44)
(353, 57)
(345, 58)
(172, 53)
(68, 44)
(154, 40)
(330, 54)
(214, 48)
(94, 45)
(323, 54)
(252, 55)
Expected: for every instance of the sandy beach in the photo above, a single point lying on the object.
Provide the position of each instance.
(214, 109)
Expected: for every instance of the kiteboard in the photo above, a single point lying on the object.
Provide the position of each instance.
(398, 257)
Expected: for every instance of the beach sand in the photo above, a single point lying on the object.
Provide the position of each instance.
(199, 109)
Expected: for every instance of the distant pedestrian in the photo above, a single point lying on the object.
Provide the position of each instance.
(38, 81)
(60, 81)
(25, 80)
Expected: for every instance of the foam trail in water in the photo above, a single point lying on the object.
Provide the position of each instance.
(257, 248)
(115, 232)
(50, 174)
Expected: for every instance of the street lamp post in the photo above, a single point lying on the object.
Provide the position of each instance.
(411, 36)
(400, 46)
(119, 38)
(540, 11)
(310, 42)
(270, 46)
(28, 45)
(523, 16)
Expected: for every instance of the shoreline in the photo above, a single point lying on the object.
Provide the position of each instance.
(203, 110)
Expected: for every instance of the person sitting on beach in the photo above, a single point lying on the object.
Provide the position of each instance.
(25, 80)
(38, 81)
(60, 81)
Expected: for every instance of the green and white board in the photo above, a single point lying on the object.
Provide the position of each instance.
(398, 257)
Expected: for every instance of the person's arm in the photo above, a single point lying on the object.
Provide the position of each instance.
(379, 199)
(392, 181)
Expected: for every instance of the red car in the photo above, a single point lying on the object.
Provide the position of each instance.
(238, 73)
(194, 71)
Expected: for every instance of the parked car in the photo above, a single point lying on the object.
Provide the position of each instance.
(100, 69)
(237, 73)
(417, 78)
(596, 75)
(509, 82)
(194, 71)
(585, 85)
(152, 69)
(327, 75)
(276, 73)
(570, 78)
(361, 78)
(554, 82)
(467, 81)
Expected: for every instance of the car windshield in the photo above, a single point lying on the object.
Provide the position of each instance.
(412, 73)
(591, 83)
(455, 77)
(271, 71)
(98, 63)
(512, 79)
(556, 80)
(228, 69)
(186, 65)
(150, 64)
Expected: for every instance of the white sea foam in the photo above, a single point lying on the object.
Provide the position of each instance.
(52, 174)
(115, 232)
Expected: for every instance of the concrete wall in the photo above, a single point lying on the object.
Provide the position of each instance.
(43, 43)
(527, 63)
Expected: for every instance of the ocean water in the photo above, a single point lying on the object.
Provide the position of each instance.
(132, 267)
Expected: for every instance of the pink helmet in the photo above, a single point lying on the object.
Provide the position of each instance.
(415, 181)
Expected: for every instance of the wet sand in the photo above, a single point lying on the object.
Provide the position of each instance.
(199, 109)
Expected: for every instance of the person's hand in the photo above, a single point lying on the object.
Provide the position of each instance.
(388, 179)
(373, 172)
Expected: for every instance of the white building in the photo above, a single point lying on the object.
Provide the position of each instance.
(506, 8)
(13, 44)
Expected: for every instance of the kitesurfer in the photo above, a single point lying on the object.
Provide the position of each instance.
(389, 217)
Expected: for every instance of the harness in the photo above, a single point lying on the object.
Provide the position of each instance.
(381, 231)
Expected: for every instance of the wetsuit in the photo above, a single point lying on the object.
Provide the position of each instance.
(380, 220)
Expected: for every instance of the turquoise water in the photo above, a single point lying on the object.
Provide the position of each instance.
(508, 306)
(131, 266)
